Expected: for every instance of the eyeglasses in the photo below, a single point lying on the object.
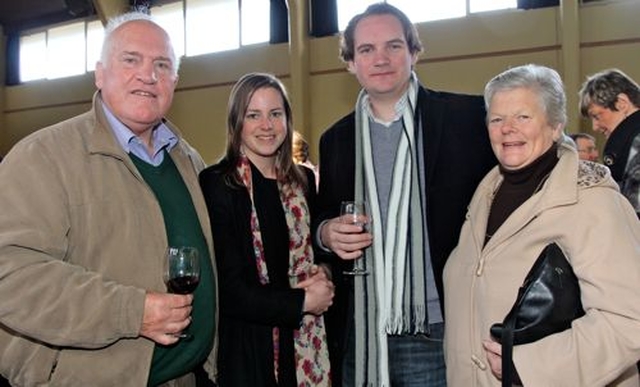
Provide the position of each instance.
(590, 149)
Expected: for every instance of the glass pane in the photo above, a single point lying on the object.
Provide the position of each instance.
(349, 8)
(427, 10)
(95, 34)
(171, 18)
(66, 51)
(423, 10)
(212, 26)
(256, 21)
(33, 56)
(490, 5)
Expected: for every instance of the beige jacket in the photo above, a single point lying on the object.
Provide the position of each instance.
(81, 234)
(580, 208)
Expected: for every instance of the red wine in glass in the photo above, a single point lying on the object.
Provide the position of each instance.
(182, 272)
(183, 285)
(355, 212)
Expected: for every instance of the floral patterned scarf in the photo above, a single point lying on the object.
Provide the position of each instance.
(311, 352)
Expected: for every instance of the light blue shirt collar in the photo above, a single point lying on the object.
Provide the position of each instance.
(162, 138)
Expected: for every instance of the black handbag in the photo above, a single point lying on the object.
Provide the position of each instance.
(548, 301)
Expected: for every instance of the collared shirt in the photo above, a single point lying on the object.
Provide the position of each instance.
(399, 111)
(399, 108)
(161, 136)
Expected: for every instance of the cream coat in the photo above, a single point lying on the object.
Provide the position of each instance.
(81, 234)
(580, 208)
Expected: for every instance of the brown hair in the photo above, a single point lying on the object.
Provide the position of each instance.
(347, 49)
(239, 100)
(300, 148)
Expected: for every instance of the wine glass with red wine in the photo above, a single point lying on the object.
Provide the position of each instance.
(182, 272)
(356, 213)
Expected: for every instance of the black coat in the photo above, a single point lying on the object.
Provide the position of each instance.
(457, 155)
(248, 309)
(616, 157)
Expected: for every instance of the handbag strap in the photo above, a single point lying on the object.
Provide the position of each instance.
(507, 352)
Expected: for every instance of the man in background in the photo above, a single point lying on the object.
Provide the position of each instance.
(89, 207)
(611, 100)
(586, 143)
(415, 156)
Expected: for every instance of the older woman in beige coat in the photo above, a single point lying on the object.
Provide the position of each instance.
(541, 193)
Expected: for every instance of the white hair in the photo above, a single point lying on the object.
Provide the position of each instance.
(117, 21)
(542, 80)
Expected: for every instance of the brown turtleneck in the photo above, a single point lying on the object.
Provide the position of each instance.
(518, 186)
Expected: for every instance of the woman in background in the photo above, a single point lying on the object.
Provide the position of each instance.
(301, 154)
(538, 194)
(272, 295)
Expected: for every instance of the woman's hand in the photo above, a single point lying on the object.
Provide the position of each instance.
(318, 291)
(494, 357)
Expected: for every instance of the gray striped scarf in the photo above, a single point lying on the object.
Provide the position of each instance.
(392, 298)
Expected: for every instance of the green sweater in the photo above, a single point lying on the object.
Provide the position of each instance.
(183, 229)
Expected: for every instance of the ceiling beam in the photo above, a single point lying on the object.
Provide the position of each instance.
(106, 9)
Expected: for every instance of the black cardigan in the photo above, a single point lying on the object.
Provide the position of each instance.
(249, 310)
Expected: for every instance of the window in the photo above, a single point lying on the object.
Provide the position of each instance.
(205, 26)
(491, 5)
(255, 27)
(212, 26)
(95, 33)
(432, 9)
(33, 54)
(171, 18)
(60, 51)
(66, 51)
(196, 27)
(423, 10)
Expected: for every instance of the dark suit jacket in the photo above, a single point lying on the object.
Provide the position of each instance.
(248, 310)
(457, 156)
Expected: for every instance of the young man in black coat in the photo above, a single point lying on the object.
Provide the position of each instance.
(415, 156)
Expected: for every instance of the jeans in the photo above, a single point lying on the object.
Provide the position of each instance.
(414, 361)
